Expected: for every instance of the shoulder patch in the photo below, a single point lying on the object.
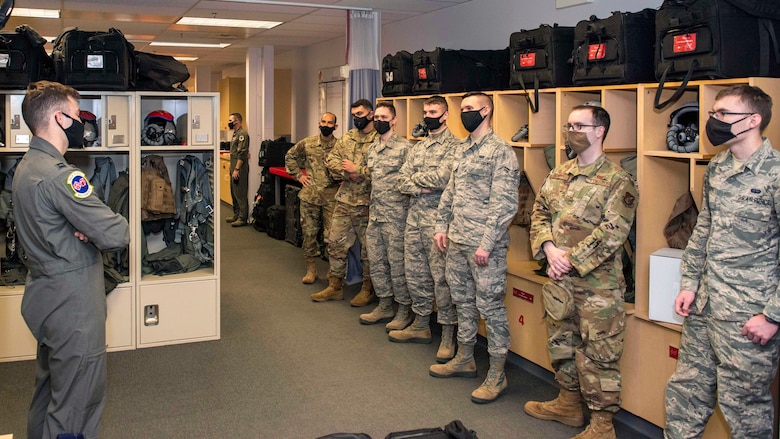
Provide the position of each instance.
(629, 199)
(241, 138)
(79, 184)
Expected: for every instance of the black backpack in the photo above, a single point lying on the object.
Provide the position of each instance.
(94, 60)
(23, 58)
(397, 74)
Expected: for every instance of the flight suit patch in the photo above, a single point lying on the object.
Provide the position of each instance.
(628, 199)
(79, 184)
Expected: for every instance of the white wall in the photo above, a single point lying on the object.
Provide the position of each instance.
(478, 24)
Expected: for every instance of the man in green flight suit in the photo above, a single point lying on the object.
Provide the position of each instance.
(239, 171)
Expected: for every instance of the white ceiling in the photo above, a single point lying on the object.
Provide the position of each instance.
(143, 21)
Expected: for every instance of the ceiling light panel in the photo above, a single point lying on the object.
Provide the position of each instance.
(176, 44)
(228, 22)
(36, 13)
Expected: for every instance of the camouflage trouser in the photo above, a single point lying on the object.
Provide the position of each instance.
(425, 266)
(347, 224)
(313, 219)
(717, 364)
(386, 256)
(585, 349)
(479, 291)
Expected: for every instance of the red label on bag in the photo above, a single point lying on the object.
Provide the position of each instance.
(422, 73)
(528, 59)
(528, 297)
(684, 43)
(597, 51)
(674, 352)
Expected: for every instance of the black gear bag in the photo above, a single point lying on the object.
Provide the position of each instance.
(451, 71)
(89, 60)
(614, 50)
(272, 152)
(159, 72)
(397, 78)
(711, 39)
(540, 57)
(23, 58)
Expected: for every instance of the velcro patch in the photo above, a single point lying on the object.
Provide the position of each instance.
(79, 184)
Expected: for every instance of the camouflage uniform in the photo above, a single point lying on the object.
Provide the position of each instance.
(588, 210)
(428, 166)
(387, 218)
(350, 216)
(239, 150)
(475, 211)
(318, 198)
(731, 262)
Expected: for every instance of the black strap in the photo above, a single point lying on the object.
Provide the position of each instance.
(677, 93)
(535, 103)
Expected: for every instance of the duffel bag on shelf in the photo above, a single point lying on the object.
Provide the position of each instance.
(23, 58)
(712, 39)
(541, 58)
(94, 60)
(452, 71)
(614, 50)
(397, 77)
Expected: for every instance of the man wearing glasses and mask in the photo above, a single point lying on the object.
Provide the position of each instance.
(581, 218)
(729, 286)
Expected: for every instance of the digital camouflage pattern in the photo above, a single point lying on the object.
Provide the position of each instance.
(350, 216)
(475, 211)
(589, 211)
(731, 262)
(387, 218)
(318, 198)
(428, 165)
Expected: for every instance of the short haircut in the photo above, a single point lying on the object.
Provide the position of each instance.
(485, 97)
(237, 116)
(335, 119)
(387, 104)
(42, 99)
(437, 100)
(755, 98)
(600, 117)
(363, 103)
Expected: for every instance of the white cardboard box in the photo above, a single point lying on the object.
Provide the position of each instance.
(665, 284)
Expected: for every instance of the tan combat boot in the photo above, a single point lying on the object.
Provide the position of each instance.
(334, 290)
(462, 365)
(381, 314)
(494, 385)
(447, 346)
(600, 426)
(311, 271)
(566, 409)
(365, 295)
(417, 332)
(401, 320)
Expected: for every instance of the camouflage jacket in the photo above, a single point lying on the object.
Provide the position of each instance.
(311, 152)
(428, 165)
(383, 161)
(481, 197)
(588, 211)
(352, 146)
(731, 260)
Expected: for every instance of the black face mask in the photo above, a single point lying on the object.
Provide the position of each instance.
(231, 125)
(326, 130)
(360, 122)
(471, 119)
(74, 133)
(719, 132)
(433, 123)
(381, 126)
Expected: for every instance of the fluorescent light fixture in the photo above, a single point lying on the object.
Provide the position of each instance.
(36, 13)
(185, 58)
(225, 22)
(207, 46)
(301, 5)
